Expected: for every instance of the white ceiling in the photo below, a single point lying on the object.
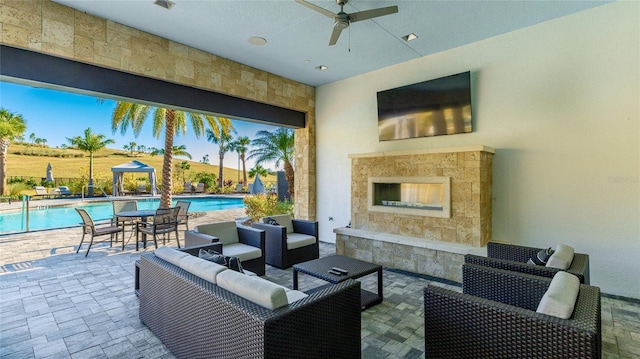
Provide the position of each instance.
(297, 37)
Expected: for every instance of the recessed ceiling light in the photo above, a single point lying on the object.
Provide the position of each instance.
(410, 37)
(167, 4)
(321, 68)
(257, 41)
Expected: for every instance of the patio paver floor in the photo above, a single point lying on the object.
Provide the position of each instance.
(55, 303)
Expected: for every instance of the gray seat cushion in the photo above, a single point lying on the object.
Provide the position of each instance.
(298, 240)
(244, 252)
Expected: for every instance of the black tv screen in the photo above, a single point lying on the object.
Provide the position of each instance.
(430, 108)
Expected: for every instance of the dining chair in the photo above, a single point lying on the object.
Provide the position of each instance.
(89, 227)
(121, 206)
(164, 221)
(183, 213)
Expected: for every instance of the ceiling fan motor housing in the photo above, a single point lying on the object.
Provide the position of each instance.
(342, 20)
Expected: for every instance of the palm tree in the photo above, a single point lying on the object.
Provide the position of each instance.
(223, 140)
(178, 151)
(240, 146)
(205, 159)
(127, 114)
(91, 142)
(258, 170)
(277, 146)
(12, 126)
(182, 169)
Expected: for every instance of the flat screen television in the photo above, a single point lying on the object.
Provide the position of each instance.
(430, 108)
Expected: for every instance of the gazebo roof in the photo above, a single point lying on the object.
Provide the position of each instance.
(133, 166)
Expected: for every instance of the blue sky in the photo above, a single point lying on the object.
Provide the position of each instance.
(55, 115)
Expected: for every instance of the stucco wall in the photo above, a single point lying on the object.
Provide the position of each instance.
(558, 101)
(48, 27)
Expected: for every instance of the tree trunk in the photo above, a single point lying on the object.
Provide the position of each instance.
(244, 170)
(4, 148)
(90, 186)
(220, 179)
(167, 182)
(289, 175)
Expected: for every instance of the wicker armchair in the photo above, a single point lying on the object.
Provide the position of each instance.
(495, 317)
(514, 258)
(292, 241)
(237, 241)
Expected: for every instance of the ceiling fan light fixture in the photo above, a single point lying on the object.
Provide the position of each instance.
(167, 4)
(410, 37)
(321, 68)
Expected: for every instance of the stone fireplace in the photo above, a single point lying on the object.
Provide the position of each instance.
(421, 210)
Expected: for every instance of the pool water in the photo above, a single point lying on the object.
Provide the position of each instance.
(66, 216)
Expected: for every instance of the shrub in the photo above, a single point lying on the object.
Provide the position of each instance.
(262, 205)
(209, 180)
(15, 189)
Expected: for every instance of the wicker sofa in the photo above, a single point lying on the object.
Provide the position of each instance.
(495, 317)
(514, 258)
(195, 318)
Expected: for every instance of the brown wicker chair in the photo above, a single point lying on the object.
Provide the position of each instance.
(495, 317)
(514, 258)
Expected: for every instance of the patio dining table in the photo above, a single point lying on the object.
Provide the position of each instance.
(142, 214)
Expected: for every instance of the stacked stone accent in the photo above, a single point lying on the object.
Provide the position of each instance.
(471, 180)
(47, 27)
(404, 256)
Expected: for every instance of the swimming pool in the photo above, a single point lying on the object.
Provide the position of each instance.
(66, 216)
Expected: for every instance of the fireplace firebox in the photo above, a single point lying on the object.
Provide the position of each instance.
(421, 196)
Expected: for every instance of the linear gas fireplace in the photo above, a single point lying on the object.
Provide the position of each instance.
(439, 194)
(420, 196)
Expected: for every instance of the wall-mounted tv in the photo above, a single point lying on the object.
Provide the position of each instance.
(430, 108)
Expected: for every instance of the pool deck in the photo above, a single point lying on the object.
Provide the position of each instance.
(55, 303)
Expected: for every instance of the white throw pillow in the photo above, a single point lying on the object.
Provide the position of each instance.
(561, 258)
(255, 289)
(560, 298)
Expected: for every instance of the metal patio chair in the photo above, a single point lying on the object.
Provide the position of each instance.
(164, 221)
(89, 227)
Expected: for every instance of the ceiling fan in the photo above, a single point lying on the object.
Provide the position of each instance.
(343, 20)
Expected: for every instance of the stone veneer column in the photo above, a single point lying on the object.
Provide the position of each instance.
(51, 28)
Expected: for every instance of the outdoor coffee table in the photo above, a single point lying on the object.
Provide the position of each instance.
(320, 267)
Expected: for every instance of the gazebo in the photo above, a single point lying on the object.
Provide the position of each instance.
(133, 166)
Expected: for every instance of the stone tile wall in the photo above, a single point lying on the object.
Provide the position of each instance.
(471, 180)
(48, 27)
(415, 259)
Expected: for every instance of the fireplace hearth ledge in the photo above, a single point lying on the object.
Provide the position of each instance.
(413, 241)
(418, 255)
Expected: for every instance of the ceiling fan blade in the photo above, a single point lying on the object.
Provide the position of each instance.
(317, 8)
(369, 14)
(335, 35)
